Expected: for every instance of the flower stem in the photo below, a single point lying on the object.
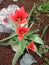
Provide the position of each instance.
(32, 23)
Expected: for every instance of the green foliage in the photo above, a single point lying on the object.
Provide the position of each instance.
(12, 41)
(47, 15)
(35, 38)
(46, 61)
(44, 30)
(32, 23)
(29, 16)
(19, 51)
(44, 7)
(43, 49)
(37, 52)
(11, 36)
(36, 14)
(32, 31)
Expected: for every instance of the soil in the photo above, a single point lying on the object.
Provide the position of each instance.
(6, 53)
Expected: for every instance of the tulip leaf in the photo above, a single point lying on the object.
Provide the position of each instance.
(15, 39)
(35, 38)
(11, 42)
(32, 31)
(19, 51)
(44, 7)
(12, 35)
(32, 23)
(37, 52)
(28, 19)
(44, 30)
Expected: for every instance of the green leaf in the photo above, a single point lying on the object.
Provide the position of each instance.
(32, 23)
(15, 39)
(36, 14)
(28, 19)
(47, 15)
(11, 42)
(19, 51)
(47, 60)
(35, 38)
(43, 49)
(12, 35)
(44, 7)
(44, 30)
(37, 52)
(32, 31)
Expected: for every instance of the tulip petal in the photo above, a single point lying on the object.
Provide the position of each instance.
(31, 46)
(11, 16)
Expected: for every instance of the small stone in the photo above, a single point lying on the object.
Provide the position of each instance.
(0, 20)
(14, 47)
(3, 12)
(15, 0)
(1, 1)
(27, 59)
(2, 28)
(5, 25)
(11, 8)
(7, 30)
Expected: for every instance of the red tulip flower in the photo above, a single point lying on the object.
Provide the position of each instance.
(21, 31)
(19, 16)
(31, 46)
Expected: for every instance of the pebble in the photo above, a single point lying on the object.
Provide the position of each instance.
(2, 28)
(5, 25)
(9, 10)
(15, 0)
(1, 1)
(27, 59)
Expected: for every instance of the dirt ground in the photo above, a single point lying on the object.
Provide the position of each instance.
(6, 53)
